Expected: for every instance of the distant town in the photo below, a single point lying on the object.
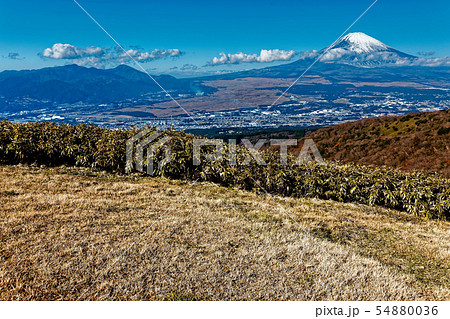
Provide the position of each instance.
(320, 109)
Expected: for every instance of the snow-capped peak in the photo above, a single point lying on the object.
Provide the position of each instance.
(359, 49)
(360, 43)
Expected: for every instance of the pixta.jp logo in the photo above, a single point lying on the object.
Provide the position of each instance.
(150, 142)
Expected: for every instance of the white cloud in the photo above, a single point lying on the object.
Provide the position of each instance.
(308, 54)
(265, 56)
(101, 57)
(444, 61)
(381, 58)
(276, 55)
(334, 54)
(222, 60)
(68, 51)
(143, 56)
(93, 51)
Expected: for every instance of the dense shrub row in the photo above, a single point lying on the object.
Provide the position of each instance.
(91, 146)
(55, 144)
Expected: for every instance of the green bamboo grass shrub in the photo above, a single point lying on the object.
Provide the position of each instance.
(91, 146)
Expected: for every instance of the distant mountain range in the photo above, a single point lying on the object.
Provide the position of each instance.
(355, 57)
(73, 83)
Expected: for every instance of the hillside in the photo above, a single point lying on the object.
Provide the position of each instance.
(77, 234)
(73, 83)
(411, 142)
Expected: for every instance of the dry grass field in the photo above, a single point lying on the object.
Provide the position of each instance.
(75, 234)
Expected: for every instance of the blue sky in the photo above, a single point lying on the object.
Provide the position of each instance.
(204, 29)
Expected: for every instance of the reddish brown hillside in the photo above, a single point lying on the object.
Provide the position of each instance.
(416, 141)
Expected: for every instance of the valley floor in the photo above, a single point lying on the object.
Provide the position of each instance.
(74, 234)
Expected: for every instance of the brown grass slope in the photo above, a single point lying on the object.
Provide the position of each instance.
(72, 234)
(412, 142)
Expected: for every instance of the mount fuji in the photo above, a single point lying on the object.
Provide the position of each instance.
(352, 56)
(362, 50)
